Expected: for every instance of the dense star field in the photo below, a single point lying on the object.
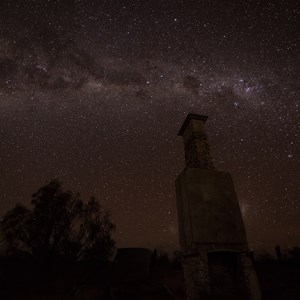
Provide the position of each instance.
(94, 93)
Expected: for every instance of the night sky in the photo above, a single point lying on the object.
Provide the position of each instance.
(94, 93)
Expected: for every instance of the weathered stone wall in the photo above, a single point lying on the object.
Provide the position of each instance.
(197, 150)
(250, 277)
(233, 278)
(196, 277)
(208, 208)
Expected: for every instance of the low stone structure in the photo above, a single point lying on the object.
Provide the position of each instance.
(132, 265)
(216, 260)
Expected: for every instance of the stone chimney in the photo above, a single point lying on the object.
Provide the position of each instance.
(216, 259)
(197, 151)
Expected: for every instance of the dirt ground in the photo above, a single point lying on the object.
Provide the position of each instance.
(25, 281)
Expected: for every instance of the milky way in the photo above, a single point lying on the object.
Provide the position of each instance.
(94, 94)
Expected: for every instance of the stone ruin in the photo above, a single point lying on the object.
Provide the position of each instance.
(216, 259)
(132, 265)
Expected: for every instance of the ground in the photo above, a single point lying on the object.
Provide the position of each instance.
(21, 280)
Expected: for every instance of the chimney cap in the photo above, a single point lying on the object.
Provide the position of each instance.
(188, 119)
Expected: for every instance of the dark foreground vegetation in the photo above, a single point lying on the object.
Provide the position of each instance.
(279, 280)
(23, 278)
(58, 226)
(62, 248)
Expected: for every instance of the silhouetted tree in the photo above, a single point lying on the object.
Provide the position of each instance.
(14, 227)
(60, 224)
(278, 253)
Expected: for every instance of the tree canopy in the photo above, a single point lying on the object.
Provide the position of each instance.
(60, 224)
